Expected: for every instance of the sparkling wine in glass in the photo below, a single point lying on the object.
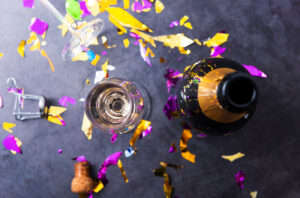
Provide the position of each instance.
(117, 106)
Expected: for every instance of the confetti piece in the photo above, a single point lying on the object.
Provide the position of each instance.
(146, 5)
(109, 161)
(111, 67)
(81, 57)
(198, 42)
(91, 55)
(186, 135)
(162, 60)
(149, 51)
(137, 6)
(80, 158)
(56, 120)
(43, 53)
(231, 158)
(170, 108)
(59, 151)
(114, 138)
(64, 28)
(85, 11)
(217, 51)
(173, 148)
(253, 194)
(32, 38)
(120, 165)
(188, 25)
(172, 77)
(21, 48)
(254, 71)
(129, 152)
(36, 45)
(87, 81)
(55, 110)
(167, 187)
(175, 40)
(98, 187)
(87, 127)
(28, 3)
(104, 42)
(63, 101)
(117, 24)
(19, 144)
(1, 102)
(44, 35)
(95, 42)
(126, 4)
(126, 43)
(159, 6)
(145, 36)
(73, 9)
(93, 6)
(217, 40)
(10, 143)
(174, 23)
(143, 55)
(1, 54)
(99, 75)
(104, 53)
(43, 43)
(104, 4)
(201, 135)
(183, 51)
(143, 125)
(183, 20)
(8, 126)
(126, 19)
(146, 132)
(38, 26)
(240, 178)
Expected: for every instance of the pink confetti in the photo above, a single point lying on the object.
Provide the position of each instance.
(217, 51)
(146, 132)
(254, 71)
(85, 11)
(134, 35)
(173, 148)
(110, 160)
(59, 151)
(38, 26)
(201, 135)
(173, 24)
(240, 178)
(146, 4)
(143, 55)
(65, 100)
(170, 108)
(137, 6)
(172, 77)
(10, 143)
(28, 3)
(104, 52)
(80, 158)
(1, 102)
(114, 138)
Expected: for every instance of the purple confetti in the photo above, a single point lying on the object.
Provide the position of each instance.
(1, 102)
(114, 138)
(28, 3)
(38, 26)
(240, 178)
(85, 10)
(110, 160)
(201, 135)
(146, 4)
(170, 107)
(10, 143)
(143, 55)
(80, 158)
(137, 6)
(172, 77)
(134, 35)
(65, 100)
(59, 151)
(179, 58)
(254, 71)
(173, 24)
(146, 132)
(217, 51)
(104, 52)
(173, 148)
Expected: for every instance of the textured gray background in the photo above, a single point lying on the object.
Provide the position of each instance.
(262, 33)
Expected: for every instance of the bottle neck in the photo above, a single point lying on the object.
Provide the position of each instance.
(237, 92)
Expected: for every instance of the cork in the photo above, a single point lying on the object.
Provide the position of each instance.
(82, 182)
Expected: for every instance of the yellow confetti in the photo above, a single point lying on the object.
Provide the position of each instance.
(104, 42)
(95, 42)
(44, 35)
(104, 66)
(56, 120)
(87, 127)
(126, 43)
(98, 187)
(95, 60)
(64, 28)
(146, 37)
(117, 24)
(183, 51)
(36, 45)
(87, 81)
(149, 51)
(19, 144)
(43, 53)
(126, 19)
(174, 40)
(217, 40)
(186, 135)
(183, 20)
(93, 7)
(21, 48)
(8, 126)
(231, 158)
(253, 194)
(1, 54)
(159, 6)
(32, 38)
(198, 42)
(55, 110)
(81, 57)
(167, 187)
(122, 171)
(126, 4)
(104, 4)
(188, 25)
(143, 125)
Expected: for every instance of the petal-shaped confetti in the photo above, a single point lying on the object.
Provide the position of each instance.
(120, 165)
(201, 135)
(188, 25)
(183, 19)
(173, 148)
(172, 77)
(143, 55)
(104, 67)
(91, 55)
(93, 6)
(198, 42)
(117, 24)
(66, 100)
(110, 160)
(63, 27)
(162, 60)
(59, 151)
(253, 194)
(231, 158)
(126, 19)
(149, 51)
(83, 7)
(126, 4)
(80, 158)
(10, 143)
(98, 187)
(28, 3)
(126, 43)
(174, 23)
(129, 152)
(186, 135)
(143, 125)
(38, 26)
(104, 4)
(170, 108)
(95, 60)
(114, 138)
(87, 127)
(217, 40)
(73, 9)
(217, 51)
(36, 45)
(146, 132)
(33, 37)
(183, 51)
(1, 102)
(167, 187)
(137, 6)
(21, 48)
(99, 75)
(19, 144)
(174, 40)
(55, 110)
(240, 178)
(146, 5)
(254, 71)
(56, 120)
(143, 35)
(43, 53)
(159, 6)
(81, 57)
(8, 126)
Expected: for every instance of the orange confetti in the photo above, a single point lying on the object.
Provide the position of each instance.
(186, 135)
(43, 53)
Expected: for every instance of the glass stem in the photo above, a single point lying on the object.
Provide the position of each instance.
(57, 14)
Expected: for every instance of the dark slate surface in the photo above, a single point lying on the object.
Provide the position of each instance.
(262, 33)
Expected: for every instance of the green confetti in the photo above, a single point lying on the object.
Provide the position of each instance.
(73, 9)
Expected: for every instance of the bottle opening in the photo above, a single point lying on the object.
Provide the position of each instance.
(241, 91)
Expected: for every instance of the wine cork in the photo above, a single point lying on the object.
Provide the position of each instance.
(82, 182)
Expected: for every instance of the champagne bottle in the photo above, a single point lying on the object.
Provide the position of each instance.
(217, 95)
